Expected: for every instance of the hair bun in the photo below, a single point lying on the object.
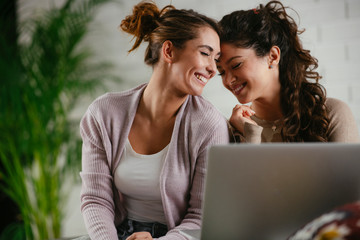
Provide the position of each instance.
(142, 22)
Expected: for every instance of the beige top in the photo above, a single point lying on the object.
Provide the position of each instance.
(342, 128)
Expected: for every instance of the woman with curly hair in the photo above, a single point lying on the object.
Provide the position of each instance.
(144, 149)
(265, 66)
(264, 63)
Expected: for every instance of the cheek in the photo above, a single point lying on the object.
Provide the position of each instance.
(225, 83)
(259, 78)
(252, 75)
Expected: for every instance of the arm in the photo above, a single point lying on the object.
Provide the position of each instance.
(245, 127)
(252, 133)
(97, 204)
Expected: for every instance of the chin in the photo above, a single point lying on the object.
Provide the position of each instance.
(244, 101)
(197, 91)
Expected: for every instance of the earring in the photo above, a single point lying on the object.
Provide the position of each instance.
(271, 66)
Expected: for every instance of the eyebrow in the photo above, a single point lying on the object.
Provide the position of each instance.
(232, 58)
(209, 48)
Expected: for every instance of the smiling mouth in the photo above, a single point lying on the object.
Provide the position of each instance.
(238, 89)
(201, 78)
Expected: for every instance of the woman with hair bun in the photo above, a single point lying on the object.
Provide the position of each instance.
(144, 150)
(264, 64)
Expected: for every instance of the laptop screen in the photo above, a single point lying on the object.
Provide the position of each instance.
(268, 191)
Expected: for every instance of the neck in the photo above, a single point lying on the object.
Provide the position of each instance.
(268, 110)
(159, 101)
(268, 107)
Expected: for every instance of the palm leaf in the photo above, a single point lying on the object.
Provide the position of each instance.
(41, 85)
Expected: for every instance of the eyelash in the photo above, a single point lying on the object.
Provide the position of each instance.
(236, 66)
(208, 55)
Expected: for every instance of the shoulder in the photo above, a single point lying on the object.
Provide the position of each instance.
(117, 98)
(333, 103)
(112, 108)
(203, 114)
(114, 103)
(202, 108)
(337, 108)
(342, 125)
(203, 123)
(198, 104)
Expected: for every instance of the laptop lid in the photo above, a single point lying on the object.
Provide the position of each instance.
(268, 191)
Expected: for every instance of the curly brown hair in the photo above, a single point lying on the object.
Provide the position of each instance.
(150, 24)
(302, 96)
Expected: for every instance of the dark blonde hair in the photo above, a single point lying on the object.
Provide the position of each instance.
(148, 23)
(302, 97)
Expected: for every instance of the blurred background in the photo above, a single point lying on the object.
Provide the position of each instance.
(332, 35)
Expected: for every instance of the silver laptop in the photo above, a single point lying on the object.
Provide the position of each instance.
(268, 191)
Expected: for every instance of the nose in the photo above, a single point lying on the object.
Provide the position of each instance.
(211, 68)
(228, 78)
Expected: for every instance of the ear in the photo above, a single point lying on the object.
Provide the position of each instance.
(274, 56)
(167, 51)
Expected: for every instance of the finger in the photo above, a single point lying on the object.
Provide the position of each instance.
(238, 109)
(139, 236)
(237, 106)
(243, 111)
(249, 112)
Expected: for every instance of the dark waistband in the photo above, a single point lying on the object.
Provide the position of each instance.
(129, 226)
(145, 224)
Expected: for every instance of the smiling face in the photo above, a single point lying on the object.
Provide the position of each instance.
(246, 75)
(194, 64)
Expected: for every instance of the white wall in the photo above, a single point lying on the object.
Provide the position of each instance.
(332, 34)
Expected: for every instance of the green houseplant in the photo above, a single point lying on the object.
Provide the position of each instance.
(41, 83)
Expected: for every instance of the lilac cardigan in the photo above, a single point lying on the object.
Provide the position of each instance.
(104, 129)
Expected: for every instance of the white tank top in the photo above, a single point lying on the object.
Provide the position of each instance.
(137, 177)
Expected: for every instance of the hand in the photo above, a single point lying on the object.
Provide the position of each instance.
(240, 115)
(140, 236)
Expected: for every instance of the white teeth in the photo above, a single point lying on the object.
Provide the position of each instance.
(239, 88)
(202, 78)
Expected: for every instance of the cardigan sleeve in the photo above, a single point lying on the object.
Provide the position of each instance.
(97, 203)
(213, 134)
(252, 133)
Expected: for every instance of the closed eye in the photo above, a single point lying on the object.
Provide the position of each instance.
(205, 54)
(236, 66)
(221, 72)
